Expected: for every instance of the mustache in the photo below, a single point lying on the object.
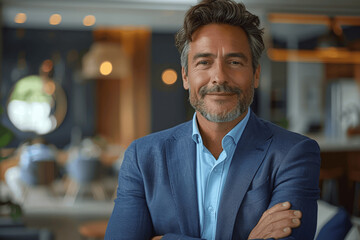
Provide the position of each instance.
(223, 88)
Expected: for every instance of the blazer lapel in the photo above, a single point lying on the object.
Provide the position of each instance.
(181, 163)
(248, 156)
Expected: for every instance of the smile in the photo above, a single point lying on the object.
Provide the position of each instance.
(225, 94)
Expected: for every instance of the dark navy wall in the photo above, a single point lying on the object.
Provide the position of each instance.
(169, 104)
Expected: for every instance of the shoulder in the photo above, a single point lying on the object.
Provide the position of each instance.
(285, 139)
(282, 133)
(286, 148)
(149, 152)
(158, 139)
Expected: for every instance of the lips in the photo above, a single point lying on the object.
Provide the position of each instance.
(219, 90)
(221, 93)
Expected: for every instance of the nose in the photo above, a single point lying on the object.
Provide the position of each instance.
(219, 75)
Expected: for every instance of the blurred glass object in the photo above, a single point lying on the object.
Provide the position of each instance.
(37, 104)
(342, 108)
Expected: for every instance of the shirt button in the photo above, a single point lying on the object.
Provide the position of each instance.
(217, 170)
(211, 209)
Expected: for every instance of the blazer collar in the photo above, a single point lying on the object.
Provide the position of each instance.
(181, 162)
(248, 156)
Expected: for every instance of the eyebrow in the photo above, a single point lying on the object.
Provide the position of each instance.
(201, 55)
(229, 55)
(239, 55)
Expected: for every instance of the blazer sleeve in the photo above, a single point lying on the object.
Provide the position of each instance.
(297, 181)
(130, 218)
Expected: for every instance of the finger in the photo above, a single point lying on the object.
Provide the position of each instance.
(283, 215)
(285, 223)
(280, 228)
(157, 238)
(288, 214)
(278, 212)
(278, 221)
(280, 233)
(278, 207)
(275, 220)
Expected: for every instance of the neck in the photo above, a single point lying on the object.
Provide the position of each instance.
(212, 133)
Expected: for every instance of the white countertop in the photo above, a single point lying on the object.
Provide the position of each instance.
(337, 144)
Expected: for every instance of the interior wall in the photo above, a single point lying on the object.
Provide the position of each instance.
(123, 106)
(169, 105)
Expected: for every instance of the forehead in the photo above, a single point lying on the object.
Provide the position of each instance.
(219, 37)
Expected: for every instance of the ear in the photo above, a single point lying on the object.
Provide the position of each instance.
(257, 76)
(185, 79)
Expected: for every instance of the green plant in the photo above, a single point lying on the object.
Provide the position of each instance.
(5, 135)
(5, 138)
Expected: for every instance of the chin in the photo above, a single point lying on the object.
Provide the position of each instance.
(223, 117)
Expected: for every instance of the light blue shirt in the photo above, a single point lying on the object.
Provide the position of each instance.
(211, 175)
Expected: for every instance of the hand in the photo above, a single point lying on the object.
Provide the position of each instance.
(157, 238)
(276, 222)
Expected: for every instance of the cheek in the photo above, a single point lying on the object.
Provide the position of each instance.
(198, 79)
(244, 81)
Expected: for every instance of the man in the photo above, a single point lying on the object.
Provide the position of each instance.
(226, 174)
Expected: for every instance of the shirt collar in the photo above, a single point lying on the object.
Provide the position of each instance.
(234, 133)
(196, 133)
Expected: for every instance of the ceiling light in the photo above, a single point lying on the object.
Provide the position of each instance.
(55, 19)
(106, 68)
(89, 20)
(114, 61)
(20, 18)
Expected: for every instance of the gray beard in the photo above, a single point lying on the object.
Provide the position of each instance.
(244, 101)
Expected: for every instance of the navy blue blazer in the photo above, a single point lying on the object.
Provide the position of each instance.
(157, 192)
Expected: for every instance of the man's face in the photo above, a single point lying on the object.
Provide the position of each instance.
(220, 75)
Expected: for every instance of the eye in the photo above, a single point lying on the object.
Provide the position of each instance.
(202, 62)
(235, 62)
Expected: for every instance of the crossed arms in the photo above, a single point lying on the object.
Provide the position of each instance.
(137, 214)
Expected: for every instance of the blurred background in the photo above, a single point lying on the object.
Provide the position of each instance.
(81, 79)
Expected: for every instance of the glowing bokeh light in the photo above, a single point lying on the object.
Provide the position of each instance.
(55, 19)
(20, 18)
(47, 66)
(106, 68)
(49, 87)
(169, 76)
(89, 20)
